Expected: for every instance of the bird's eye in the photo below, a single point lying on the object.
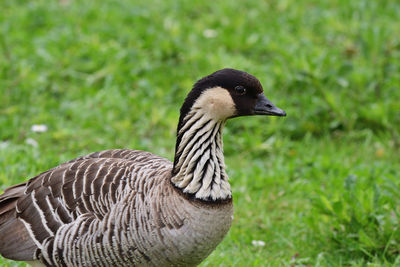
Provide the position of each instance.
(240, 90)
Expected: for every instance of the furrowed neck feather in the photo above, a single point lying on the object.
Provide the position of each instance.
(199, 167)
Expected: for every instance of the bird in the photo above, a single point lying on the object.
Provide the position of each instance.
(124, 207)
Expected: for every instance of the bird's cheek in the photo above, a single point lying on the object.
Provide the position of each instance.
(221, 110)
(217, 103)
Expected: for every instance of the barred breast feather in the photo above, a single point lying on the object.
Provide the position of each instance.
(110, 208)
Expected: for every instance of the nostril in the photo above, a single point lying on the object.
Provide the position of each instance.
(269, 106)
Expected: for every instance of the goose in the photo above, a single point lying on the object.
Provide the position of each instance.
(124, 207)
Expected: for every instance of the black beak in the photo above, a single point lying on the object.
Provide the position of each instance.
(265, 107)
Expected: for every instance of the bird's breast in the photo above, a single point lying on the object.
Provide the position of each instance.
(181, 231)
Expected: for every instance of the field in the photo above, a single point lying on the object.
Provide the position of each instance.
(319, 187)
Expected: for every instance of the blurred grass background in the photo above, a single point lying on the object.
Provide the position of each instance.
(319, 187)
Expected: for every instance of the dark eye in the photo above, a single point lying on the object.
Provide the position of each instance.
(240, 90)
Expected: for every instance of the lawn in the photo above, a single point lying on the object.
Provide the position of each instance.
(319, 187)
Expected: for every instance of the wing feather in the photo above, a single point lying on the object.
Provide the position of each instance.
(83, 189)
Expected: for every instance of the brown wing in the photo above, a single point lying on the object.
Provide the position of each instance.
(15, 241)
(32, 212)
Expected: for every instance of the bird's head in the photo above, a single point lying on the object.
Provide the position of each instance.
(228, 93)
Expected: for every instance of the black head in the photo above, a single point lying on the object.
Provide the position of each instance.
(245, 91)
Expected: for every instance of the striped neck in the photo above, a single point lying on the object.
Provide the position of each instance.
(199, 167)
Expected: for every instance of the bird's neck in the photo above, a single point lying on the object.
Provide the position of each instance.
(199, 168)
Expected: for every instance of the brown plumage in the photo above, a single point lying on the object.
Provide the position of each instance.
(127, 207)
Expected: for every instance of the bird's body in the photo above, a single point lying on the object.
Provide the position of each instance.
(128, 207)
(123, 211)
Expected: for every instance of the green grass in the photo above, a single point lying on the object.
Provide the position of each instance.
(320, 187)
